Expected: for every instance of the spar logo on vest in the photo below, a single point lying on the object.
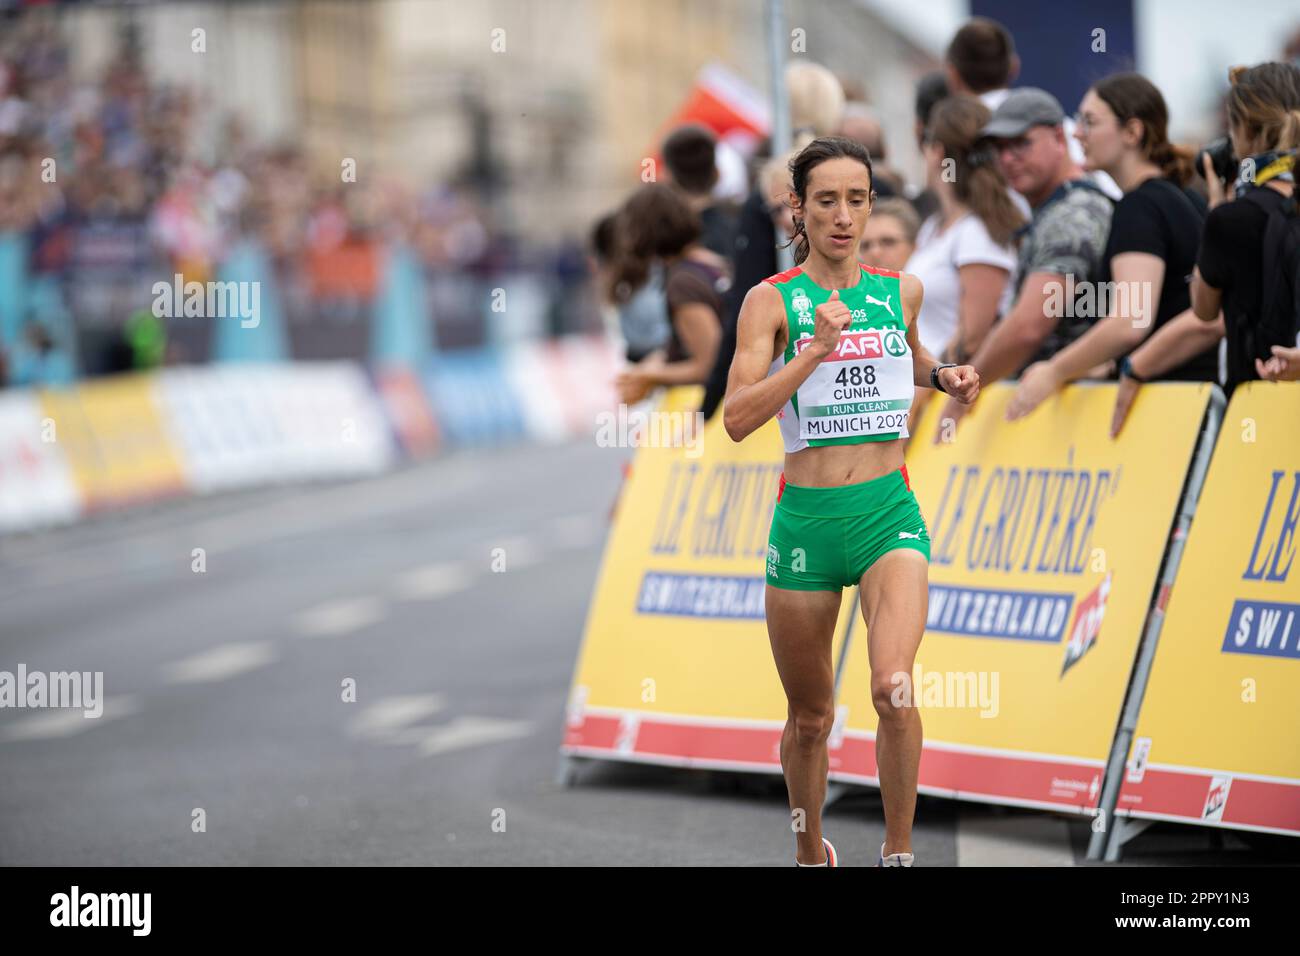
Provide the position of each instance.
(856, 344)
(802, 306)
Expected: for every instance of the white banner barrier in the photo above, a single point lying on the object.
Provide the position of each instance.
(237, 425)
(36, 486)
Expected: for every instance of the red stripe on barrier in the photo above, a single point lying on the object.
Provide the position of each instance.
(986, 776)
(672, 741)
(593, 731)
(998, 775)
(1185, 794)
(695, 742)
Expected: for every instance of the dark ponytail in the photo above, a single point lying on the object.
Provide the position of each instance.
(1176, 162)
(955, 124)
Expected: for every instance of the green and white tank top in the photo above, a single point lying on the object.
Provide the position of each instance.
(863, 390)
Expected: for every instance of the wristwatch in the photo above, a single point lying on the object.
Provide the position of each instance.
(1126, 370)
(934, 376)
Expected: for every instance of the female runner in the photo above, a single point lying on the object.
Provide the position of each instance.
(830, 348)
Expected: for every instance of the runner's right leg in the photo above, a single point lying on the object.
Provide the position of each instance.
(801, 628)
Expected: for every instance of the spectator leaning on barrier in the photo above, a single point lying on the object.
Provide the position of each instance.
(656, 224)
(1150, 253)
(643, 313)
(964, 253)
(1061, 248)
(816, 109)
(1245, 247)
(964, 256)
(889, 237)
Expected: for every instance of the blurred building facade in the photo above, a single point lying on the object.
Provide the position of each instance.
(545, 107)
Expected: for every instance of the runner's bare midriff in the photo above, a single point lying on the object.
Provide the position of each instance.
(829, 466)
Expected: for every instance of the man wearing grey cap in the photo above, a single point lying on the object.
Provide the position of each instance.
(1062, 247)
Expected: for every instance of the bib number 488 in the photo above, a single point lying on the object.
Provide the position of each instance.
(857, 375)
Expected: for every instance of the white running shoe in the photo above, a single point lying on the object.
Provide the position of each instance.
(894, 859)
(832, 858)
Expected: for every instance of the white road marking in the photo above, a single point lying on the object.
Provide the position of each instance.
(472, 732)
(220, 663)
(1016, 838)
(391, 715)
(66, 721)
(310, 510)
(334, 618)
(433, 581)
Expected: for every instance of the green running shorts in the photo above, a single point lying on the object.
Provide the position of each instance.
(824, 539)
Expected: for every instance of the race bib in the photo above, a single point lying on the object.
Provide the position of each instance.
(864, 387)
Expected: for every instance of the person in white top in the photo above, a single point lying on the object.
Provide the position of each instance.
(964, 253)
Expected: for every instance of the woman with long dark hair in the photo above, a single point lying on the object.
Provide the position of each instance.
(830, 349)
(964, 254)
(658, 227)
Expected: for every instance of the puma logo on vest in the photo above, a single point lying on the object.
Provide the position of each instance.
(871, 299)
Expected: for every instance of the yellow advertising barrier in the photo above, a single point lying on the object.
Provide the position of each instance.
(675, 666)
(1047, 541)
(114, 440)
(1217, 740)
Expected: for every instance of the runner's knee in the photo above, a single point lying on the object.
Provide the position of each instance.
(812, 725)
(891, 693)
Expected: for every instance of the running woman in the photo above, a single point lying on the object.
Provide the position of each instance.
(830, 348)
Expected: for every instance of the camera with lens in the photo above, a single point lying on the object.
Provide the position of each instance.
(1221, 159)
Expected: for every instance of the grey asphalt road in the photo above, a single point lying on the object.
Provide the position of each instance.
(224, 693)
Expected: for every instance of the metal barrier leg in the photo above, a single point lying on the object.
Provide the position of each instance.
(566, 771)
(1125, 829)
(1106, 840)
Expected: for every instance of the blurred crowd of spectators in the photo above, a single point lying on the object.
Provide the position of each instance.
(1174, 264)
(111, 185)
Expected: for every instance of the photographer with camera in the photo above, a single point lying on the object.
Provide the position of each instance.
(1249, 261)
